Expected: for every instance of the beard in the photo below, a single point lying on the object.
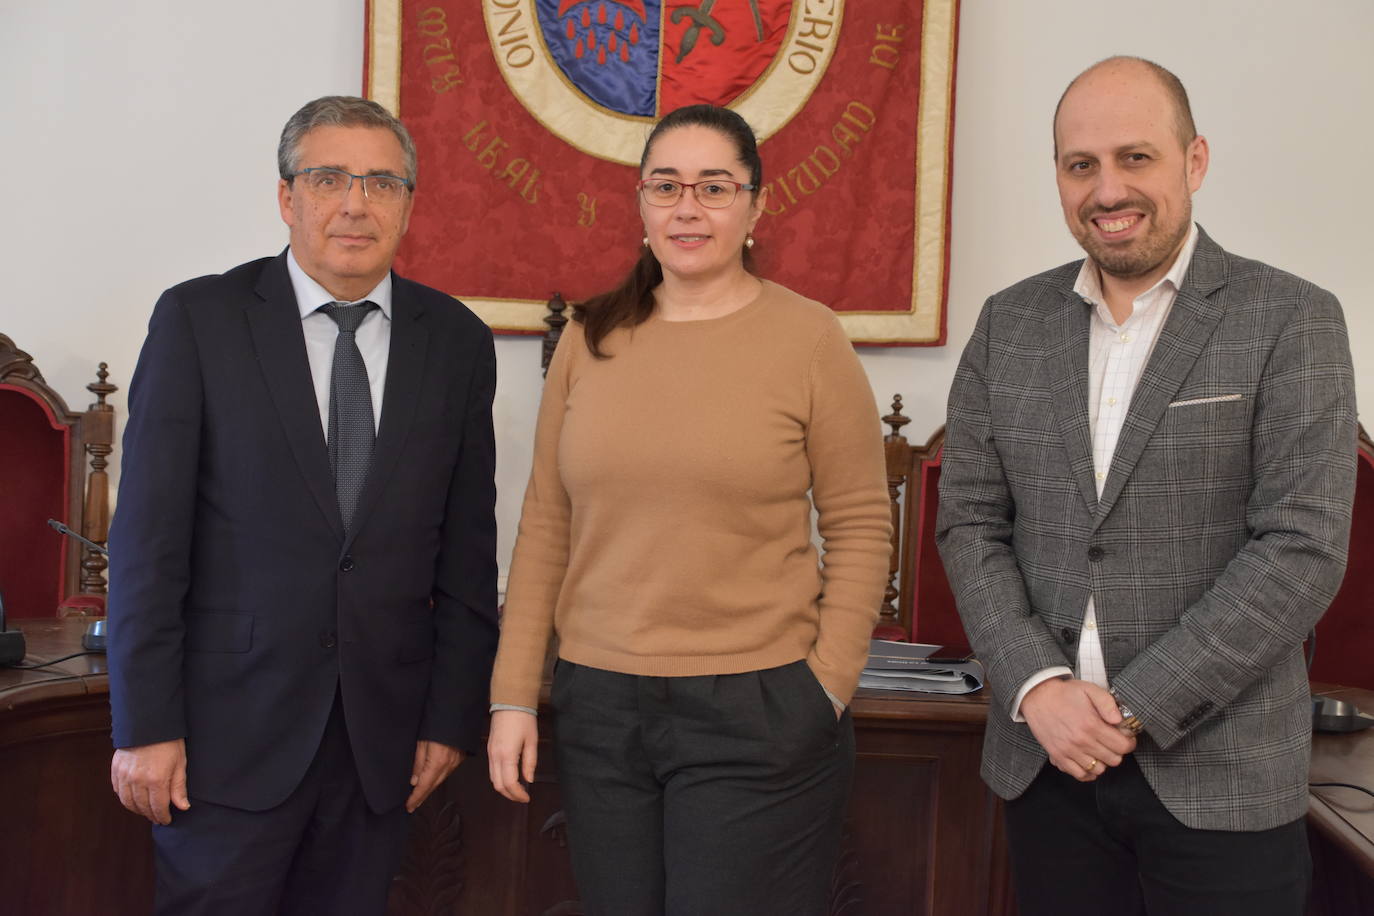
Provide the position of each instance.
(1140, 255)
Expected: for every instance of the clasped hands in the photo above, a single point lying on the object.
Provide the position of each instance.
(1079, 726)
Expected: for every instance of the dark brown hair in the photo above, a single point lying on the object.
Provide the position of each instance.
(632, 302)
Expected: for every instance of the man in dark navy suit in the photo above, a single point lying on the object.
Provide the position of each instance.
(303, 579)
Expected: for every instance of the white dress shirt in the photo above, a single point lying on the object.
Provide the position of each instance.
(373, 337)
(1117, 354)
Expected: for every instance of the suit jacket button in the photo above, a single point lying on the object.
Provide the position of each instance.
(346, 564)
(1068, 634)
(328, 640)
(1096, 553)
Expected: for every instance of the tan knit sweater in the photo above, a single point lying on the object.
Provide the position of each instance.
(666, 529)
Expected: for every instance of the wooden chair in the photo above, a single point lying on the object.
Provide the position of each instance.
(919, 604)
(1344, 650)
(52, 465)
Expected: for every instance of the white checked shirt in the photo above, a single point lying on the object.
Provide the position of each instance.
(1117, 354)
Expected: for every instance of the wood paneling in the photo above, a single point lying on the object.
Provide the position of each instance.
(924, 836)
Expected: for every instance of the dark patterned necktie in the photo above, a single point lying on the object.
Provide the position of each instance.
(351, 428)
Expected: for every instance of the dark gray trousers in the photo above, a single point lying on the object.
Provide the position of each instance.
(720, 794)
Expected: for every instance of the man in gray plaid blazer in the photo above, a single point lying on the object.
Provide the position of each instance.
(1144, 507)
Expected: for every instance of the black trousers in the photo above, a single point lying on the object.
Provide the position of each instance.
(322, 851)
(1110, 847)
(718, 795)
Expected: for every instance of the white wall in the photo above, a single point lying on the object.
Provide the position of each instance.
(140, 140)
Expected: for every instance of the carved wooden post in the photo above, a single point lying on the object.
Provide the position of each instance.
(897, 451)
(555, 320)
(97, 432)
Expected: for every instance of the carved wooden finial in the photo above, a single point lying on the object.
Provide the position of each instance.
(555, 320)
(896, 419)
(100, 387)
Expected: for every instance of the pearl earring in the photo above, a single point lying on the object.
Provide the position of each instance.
(749, 240)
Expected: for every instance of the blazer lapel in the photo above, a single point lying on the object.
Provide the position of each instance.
(1190, 324)
(1067, 360)
(404, 374)
(275, 325)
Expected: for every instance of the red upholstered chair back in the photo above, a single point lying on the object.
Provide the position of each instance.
(934, 616)
(927, 596)
(44, 450)
(34, 453)
(1345, 634)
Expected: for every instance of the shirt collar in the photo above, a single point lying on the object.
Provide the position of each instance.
(311, 295)
(1089, 282)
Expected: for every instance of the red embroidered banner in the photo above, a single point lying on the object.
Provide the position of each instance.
(530, 116)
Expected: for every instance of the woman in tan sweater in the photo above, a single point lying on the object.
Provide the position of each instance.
(690, 419)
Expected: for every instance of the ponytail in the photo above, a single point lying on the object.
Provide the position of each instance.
(629, 304)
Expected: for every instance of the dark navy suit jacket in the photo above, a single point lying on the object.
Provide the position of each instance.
(238, 606)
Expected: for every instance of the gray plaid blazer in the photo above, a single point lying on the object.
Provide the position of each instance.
(1219, 540)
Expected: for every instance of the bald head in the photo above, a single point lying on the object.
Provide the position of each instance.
(1127, 68)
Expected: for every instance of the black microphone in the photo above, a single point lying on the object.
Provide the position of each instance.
(12, 645)
(63, 529)
(93, 640)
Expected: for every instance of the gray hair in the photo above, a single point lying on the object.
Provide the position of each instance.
(339, 111)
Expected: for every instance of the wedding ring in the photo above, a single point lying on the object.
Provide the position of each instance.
(1091, 765)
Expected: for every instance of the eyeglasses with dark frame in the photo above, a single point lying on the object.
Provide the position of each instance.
(324, 181)
(715, 193)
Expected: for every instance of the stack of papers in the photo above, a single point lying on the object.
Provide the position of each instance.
(909, 666)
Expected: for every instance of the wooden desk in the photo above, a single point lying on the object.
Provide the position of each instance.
(1340, 822)
(70, 848)
(924, 835)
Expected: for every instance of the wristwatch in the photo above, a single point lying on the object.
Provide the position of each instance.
(1130, 722)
